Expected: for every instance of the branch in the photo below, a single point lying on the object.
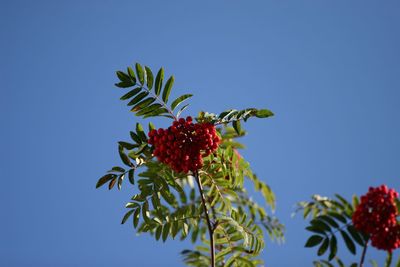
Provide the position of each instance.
(209, 224)
(363, 254)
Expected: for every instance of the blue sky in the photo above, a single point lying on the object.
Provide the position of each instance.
(328, 69)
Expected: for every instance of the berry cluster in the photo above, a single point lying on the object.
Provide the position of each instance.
(183, 144)
(376, 216)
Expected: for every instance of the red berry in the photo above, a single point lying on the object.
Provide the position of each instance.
(183, 144)
(376, 215)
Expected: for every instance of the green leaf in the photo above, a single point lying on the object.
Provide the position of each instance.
(337, 216)
(117, 169)
(322, 249)
(244, 261)
(320, 224)
(229, 262)
(135, 138)
(174, 228)
(329, 220)
(138, 98)
(123, 156)
(349, 242)
(158, 232)
(179, 100)
(225, 115)
(327, 263)
(333, 247)
(185, 229)
(238, 128)
(355, 201)
(181, 110)
(120, 180)
(339, 262)
(264, 113)
(126, 216)
(131, 93)
(145, 210)
(374, 263)
(131, 74)
(159, 81)
(126, 145)
(168, 197)
(165, 232)
(167, 89)
(315, 229)
(132, 205)
(140, 73)
(149, 109)
(150, 77)
(105, 179)
(125, 84)
(223, 253)
(123, 77)
(348, 206)
(195, 233)
(112, 183)
(140, 132)
(136, 217)
(313, 241)
(157, 112)
(151, 126)
(388, 260)
(143, 104)
(355, 235)
(131, 176)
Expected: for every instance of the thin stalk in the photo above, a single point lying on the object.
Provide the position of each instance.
(209, 224)
(363, 254)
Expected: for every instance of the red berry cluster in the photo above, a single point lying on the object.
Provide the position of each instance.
(376, 215)
(183, 144)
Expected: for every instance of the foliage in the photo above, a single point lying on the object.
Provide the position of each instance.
(219, 215)
(167, 204)
(330, 221)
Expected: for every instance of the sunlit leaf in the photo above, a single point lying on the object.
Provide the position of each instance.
(179, 100)
(167, 89)
(159, 81)
(123, 77)
(131, 93)
(131, 74)
(126, 216)
(264, 113)
(181, 110)
(138, 98)
(149, 77)
(143, 104)
(165, 231)
(140, 73)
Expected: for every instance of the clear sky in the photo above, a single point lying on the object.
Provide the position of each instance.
(330, 70)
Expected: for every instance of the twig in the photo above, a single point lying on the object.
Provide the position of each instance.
(363, 254)
(209, 224)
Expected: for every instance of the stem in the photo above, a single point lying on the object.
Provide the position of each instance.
(209, 224)
(363, 254)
